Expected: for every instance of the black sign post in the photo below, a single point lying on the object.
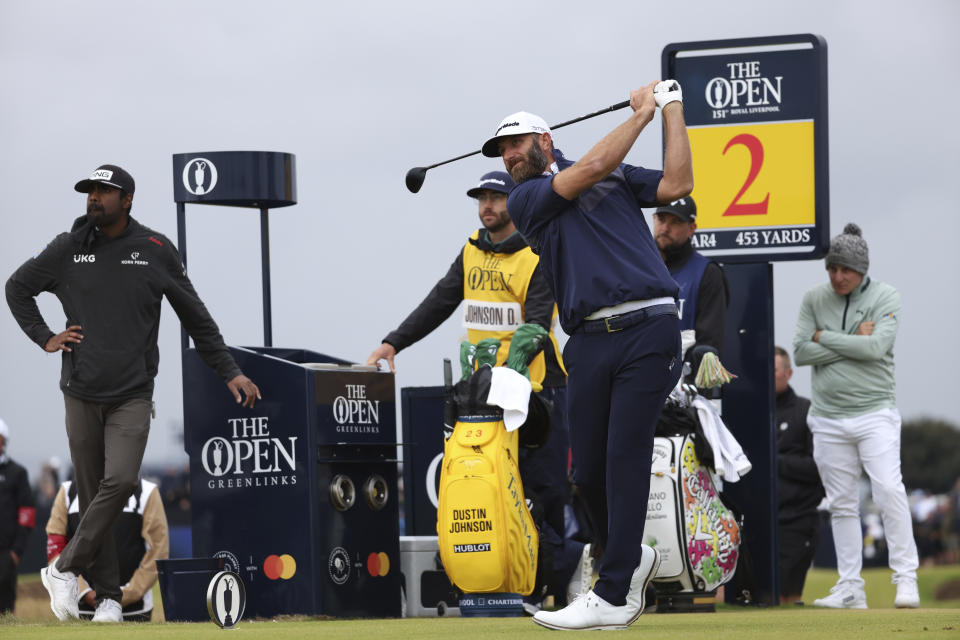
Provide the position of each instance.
(254, 179)
(756, 112)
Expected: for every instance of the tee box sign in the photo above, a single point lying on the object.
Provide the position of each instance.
(756, 113)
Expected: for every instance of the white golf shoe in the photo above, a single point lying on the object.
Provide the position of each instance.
(582, 578)
(62, 587)
(642, 575)
(843, 596)
(908, 597)
(586, 613)
(590, 611)
(108, 611)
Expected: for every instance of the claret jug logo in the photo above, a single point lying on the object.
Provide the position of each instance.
(249, 457)
(199, 176)
(354, 413)
(744, 91)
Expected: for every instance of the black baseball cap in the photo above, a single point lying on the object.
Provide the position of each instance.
(493, 181)
(684, 208)
(108, 174)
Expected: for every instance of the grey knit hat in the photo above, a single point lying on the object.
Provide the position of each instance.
(849, 249)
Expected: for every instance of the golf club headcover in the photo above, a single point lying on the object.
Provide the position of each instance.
(666, 91)
(526, 343)
(487, 352)
(468, 352)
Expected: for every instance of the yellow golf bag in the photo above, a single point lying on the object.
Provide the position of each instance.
(487, 537)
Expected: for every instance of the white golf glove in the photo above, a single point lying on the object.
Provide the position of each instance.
(666, 91)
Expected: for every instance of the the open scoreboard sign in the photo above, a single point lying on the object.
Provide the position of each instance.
(756, 113)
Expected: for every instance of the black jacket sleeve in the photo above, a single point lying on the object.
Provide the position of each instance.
(196, 319)
(712, 300)
(538, 307)
(26, 512)
(33, 277)
(442, 300)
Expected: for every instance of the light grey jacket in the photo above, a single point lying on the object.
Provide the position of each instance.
(852, 375)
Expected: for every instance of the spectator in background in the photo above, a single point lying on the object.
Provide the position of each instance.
(799, 490)
(141, 538)
(704, 291)
(17, 516)
(45, 489)
(846, 329)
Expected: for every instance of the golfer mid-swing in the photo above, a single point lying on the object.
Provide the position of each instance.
(617, 302)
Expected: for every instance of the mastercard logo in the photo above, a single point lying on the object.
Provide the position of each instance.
(277, 567)
(378, 564)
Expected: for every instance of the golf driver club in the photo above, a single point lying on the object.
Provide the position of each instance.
(417, 175)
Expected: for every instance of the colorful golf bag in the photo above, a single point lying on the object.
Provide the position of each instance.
(697, 535)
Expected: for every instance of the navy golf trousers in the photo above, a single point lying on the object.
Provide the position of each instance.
(616, 388)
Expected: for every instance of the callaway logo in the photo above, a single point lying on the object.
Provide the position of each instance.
(135, 259)
(81, 257)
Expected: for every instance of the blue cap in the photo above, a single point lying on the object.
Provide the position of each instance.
(493, 181)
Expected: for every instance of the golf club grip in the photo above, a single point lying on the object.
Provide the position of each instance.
(613, 107)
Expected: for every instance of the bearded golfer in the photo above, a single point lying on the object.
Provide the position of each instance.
(617, 302)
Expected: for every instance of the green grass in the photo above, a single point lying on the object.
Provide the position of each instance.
(935, 619)
(880, 591)
(744, 624)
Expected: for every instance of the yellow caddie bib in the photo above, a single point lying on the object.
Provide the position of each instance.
(494, 291)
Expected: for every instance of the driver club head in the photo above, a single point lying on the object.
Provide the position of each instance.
(415, 178)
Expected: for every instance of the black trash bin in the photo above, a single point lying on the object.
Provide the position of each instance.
(183, 587)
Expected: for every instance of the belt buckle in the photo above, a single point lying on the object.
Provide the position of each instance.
(606, 323)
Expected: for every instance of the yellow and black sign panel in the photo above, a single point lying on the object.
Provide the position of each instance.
(756, 113)
(756, 175)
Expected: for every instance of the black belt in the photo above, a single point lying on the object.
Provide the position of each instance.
(612, 324)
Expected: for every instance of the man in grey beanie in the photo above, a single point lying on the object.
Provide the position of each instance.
(846, 329)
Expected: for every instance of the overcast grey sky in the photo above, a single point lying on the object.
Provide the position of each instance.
(362, 91)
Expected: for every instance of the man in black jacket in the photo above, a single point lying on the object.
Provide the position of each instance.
(17, 516)
(499, 278)
(110, 273)
(704, 291)
(799, 490)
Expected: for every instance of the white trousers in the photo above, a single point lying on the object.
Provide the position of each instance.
(840, 447)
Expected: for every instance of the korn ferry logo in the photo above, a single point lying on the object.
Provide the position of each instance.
(199, 176)
(354, 413)
(249, 457)
(135, 259)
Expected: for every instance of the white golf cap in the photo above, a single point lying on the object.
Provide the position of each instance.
(513, 125)
(4, 430)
